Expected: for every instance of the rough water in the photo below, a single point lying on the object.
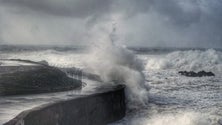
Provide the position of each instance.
(166, 98)
(176, 99)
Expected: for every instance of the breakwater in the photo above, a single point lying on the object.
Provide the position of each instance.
(105, 106)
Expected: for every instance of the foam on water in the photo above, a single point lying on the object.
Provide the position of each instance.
(193, 60)
(173, 99)
(182, 118)
(176, 99)
(61, 59)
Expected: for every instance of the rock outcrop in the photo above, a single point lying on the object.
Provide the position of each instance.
(196, 74)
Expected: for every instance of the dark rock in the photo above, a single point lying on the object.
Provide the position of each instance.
(194, 74)
(43, 62)
(220, 121)
(31, 79)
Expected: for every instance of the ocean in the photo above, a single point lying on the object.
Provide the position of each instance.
(156, 93)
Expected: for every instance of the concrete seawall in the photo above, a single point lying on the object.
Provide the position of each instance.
(101, 108)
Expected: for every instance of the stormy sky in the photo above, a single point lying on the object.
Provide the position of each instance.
(151, 23)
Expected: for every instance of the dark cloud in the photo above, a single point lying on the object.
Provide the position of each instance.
(76, 8)
(173, 10)
(177, 13)
(142, 22)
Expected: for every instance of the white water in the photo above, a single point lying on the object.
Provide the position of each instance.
(118, 65)
(173, 99)
(176, 99)
(193, 60)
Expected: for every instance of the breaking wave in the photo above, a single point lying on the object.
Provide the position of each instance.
(115, 64)
(195, 60)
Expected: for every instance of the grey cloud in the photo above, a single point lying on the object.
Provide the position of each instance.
(173, 10)
(76, 8)
(141, 22)
(97, 8)
(85, 8)
(177, 13)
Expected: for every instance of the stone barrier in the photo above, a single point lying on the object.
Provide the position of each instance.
(101, 108)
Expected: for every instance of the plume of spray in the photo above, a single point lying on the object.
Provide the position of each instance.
(117, 65)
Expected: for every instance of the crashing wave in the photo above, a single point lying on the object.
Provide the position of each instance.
(116, 64)
(192, 60)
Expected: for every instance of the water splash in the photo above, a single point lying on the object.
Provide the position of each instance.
(116, 64)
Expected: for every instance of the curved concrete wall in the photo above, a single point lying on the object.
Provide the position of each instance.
(95, 109)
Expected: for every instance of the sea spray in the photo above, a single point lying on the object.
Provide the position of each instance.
(191, 60)
(117, 65)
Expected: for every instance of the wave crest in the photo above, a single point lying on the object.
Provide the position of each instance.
(195, 60)
(116, 64)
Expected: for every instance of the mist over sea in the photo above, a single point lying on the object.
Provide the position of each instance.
(142, 44)
(156, 93)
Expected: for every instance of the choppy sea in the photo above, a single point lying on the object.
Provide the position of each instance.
(173, 99)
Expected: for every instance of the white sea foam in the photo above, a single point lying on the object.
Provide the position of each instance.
(118, 65)
(65, 59)
(180, 118)
(195, 60)
(170, 98)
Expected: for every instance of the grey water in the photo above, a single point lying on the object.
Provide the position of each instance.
(176, 99)
(172, 99)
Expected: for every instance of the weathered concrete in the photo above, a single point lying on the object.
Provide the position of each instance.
(106, 106)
